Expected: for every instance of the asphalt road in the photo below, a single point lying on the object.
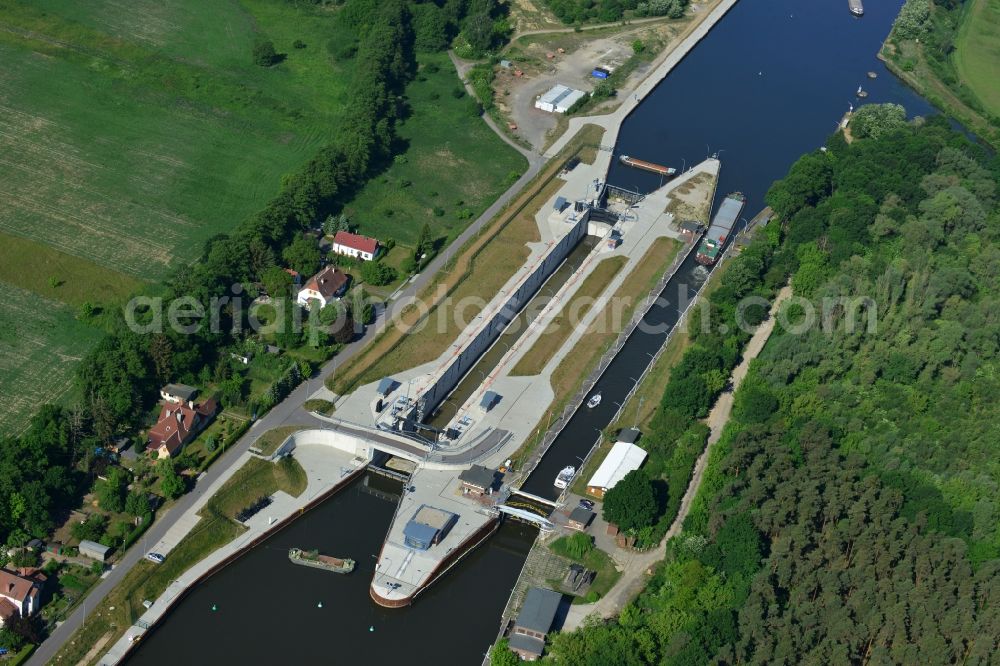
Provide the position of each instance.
(287, 412)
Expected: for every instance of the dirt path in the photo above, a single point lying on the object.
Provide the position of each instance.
(634, 577)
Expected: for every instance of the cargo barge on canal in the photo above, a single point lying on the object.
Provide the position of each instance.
(722, 224)
(647, 166)
(326, 562)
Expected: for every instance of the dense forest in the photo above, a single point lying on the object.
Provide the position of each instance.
(849, 513)
(606, 11)
(43, 472)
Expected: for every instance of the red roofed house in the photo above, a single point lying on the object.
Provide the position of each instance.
(20, 593)
(325, 286)
(353, 245)
(178, 425)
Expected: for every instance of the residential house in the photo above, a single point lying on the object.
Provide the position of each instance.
(329, 284)
(624, 457)
(178, 425)
(534, 622)
(353, 245)
(20, 593)
(178, 393)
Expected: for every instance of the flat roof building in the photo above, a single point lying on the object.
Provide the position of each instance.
(428, 527)
(622, 459)
(558, 99)
(579, 518)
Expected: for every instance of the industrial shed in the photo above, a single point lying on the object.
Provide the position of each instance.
(558, 99)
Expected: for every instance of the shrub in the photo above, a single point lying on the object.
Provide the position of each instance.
(264, 54)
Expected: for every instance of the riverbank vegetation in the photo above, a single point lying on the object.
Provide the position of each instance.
(608, 11)
(947, 50)
(869, 448)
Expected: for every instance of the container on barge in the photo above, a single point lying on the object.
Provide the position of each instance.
(722, 224)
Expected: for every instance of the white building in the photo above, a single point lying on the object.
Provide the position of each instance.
(623, 458)
(19, 594)
(558, 99)
(353, 245)
(327, 285)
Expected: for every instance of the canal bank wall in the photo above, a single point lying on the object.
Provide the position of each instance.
(280, 514)
(501, 317)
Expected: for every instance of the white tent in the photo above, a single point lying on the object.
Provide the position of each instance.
(622, 459)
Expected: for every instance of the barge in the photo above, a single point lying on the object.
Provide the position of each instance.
(856, 7)
(647, 166)
(723, 223)
(314, 559)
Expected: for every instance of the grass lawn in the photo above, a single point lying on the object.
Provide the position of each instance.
(454, 162)
(559, 329)
(40, 343)
(147, 580)
(595, 560)
(269, 442)
(398, 348)
(977, 52)
(30, 264)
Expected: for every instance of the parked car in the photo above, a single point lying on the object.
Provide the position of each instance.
(587, 504)
(155, 557)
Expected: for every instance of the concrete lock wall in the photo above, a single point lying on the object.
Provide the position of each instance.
(450, 378)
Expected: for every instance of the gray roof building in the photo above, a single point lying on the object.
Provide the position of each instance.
(93, 550)
(428, 527)
(387, 386)
(579, 518)
(539, 610)
(179, 392)
(478, 478)
(628, 435)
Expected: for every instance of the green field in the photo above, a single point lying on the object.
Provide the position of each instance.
(444, 165)
(977, 52)
(40, 342)
(130, 136)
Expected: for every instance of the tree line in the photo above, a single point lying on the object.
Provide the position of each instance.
(118, 381)
(849, 513)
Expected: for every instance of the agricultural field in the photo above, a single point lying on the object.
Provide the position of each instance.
(977, 52)
(40, 341)
(130, 142)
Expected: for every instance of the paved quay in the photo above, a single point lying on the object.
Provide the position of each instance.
(326, 467)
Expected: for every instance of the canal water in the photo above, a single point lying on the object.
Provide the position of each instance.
(768, 83)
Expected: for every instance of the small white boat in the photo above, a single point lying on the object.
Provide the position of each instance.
(595, 400)
(565, 477)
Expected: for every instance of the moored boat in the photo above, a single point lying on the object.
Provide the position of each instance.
(565, 477)
(314, 559)
(722, 224)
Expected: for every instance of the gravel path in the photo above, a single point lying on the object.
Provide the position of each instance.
(634, 577)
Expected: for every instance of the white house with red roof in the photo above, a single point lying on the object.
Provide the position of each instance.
(20, 593)
(353, 245)
(178, 425)
(329, 284)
